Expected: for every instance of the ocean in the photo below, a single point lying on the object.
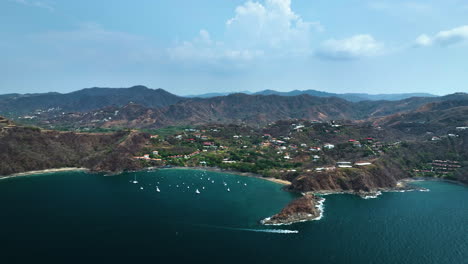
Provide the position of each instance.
(79, 217)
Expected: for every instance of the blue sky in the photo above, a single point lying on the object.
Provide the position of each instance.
(193, 47)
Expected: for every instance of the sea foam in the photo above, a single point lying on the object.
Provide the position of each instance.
(277, 231)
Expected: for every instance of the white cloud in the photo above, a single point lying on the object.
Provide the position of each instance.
(269, 29)
(355, 47)
(203, 49)
(423, 40)
(38, 4)
(444, 38)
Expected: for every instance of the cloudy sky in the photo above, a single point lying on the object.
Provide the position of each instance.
(200, 46)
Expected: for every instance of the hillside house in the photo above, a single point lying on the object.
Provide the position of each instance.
(344, 164)
(362, 163)
(329, 146)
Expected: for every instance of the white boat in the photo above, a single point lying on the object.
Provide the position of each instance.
(157, 189)
(197, 191)
(141, 188)
(203, 187)
(212, 181)
(245, 184)
(225, 184)
(228, 190)
(177, 186)
(134, 180)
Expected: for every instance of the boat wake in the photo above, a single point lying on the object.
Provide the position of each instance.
(275, 231)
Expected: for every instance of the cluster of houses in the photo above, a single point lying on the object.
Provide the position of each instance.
(343, 164)
(445, 166)
(185, 156)
(441, 167)
(6, 124)
(449, 135)
(156, 153)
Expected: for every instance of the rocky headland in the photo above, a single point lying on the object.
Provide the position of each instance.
(305, 208)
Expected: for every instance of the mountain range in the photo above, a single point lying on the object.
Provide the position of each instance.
(141, 107)
(353, 97)
(87, 99)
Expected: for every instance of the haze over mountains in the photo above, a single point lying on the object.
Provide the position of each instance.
(141, 107)
(87, 99)
(95, 98)
(353, 97)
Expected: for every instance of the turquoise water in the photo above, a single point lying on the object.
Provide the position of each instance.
(76, 216)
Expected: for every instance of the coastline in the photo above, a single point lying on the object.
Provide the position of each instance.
(298, 215)
(418, 179)
(35, 172)
(247, 174)
(402, 185)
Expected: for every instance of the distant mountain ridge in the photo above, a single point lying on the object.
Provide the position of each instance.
(438, 116)
(142, 107)
(353, 97)
(87, 99)
(254, 110)
(95, 98)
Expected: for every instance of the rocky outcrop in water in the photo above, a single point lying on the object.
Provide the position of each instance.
(302, 209)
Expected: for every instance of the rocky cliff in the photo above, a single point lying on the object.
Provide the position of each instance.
(382, 175)
(26, 148)
(302, 209)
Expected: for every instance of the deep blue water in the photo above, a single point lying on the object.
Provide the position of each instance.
(80, 217)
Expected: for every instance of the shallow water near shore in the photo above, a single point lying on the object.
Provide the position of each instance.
(75, 215)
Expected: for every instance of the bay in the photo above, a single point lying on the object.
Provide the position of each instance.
(75, 216)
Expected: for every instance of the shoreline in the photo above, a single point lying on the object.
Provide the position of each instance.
(246, 174)
(418, 179)
(35, 172)
(319, 206)
(213, 169)
(403, 185)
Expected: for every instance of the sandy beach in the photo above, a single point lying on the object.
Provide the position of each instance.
(247, 174)
(28, 173)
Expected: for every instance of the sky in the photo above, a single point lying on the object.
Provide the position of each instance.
(202, 46)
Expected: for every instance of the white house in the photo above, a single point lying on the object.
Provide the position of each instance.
(363, 163)
(329, 146)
